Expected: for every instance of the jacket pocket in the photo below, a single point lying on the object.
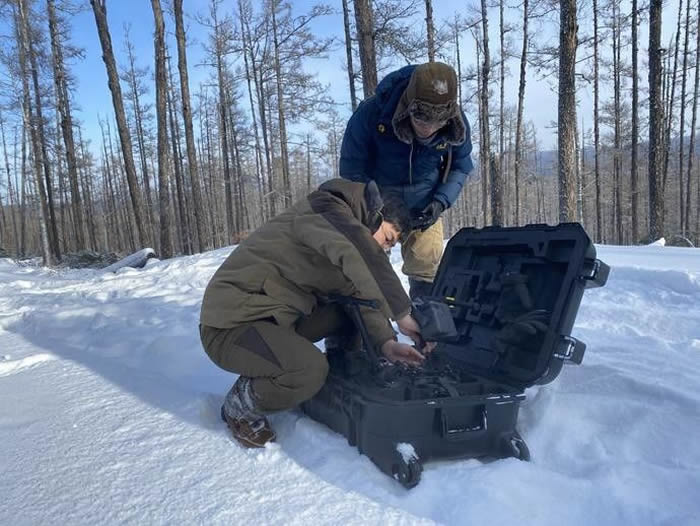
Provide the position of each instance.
(289, 294)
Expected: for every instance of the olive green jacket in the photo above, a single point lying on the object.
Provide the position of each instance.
(322, 245)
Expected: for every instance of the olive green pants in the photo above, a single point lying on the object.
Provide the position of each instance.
(421, 253)
(286, 367)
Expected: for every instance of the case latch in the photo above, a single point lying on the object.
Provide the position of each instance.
(572, 350)
(599, 275)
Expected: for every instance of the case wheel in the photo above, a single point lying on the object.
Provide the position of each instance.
(516, 447)
(408, 473)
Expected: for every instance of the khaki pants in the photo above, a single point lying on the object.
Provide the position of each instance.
(422, 251)
(286, 367)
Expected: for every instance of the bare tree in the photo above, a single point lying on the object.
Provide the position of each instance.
(166, 246)
(430, 28)
(365, 37)
(66, 121)
(567, 110)
(136, 79)
(199, 218)
(596, 127)
(656, 118)
(671, 101)
(485, 147)
(99, 8)
(635, 126)
(181, 206)
(245, 13)
(10, 194)
(681, 145)
(691, 148)
(521, 104)
(617, 88)
(348, 55)
(49, 250)
(281, 109)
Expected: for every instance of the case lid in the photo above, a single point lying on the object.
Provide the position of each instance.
(513, 294)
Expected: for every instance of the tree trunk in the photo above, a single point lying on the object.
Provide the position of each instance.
(596, 129)
(691, 148)
(567, 111)
(666, 145)
(483, 162)
(247, 49)
(87, 193)
(497, 213)
(656, 118)
(681, 196)
(140, 135)
(617, 216)
(23, 196)
(48, 252)
(166, 246)
(430, 29)
(281, 113)
(223, 132)
(10, 196)
(635, 127)
(365, 36)
(501, 126)
(260, 91)
(199, 217)
(66, 121)
(185, 232)
(485, 71)
(348, 55)
(99, 8)
(521, 105)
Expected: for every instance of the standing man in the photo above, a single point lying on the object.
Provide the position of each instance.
(413, 140)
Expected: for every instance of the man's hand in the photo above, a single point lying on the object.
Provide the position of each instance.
(430, 215)
(401, 352)
(409, 326)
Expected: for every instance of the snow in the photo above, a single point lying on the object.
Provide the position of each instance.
(406, 451)
(109, 414)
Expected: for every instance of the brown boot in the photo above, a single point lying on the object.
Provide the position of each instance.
(254, 433)
(248, 425)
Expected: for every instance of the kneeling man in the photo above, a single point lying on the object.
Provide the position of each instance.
(264, 307)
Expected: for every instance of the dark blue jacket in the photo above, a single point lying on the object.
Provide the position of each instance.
(371, 150)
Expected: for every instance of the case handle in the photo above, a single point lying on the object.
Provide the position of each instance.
(572, 351)
(458, 432)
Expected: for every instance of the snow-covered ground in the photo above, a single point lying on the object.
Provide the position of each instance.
(109, 414)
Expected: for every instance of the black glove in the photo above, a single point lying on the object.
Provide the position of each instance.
(429, 215)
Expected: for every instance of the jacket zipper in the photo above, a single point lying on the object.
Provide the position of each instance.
(410, 164)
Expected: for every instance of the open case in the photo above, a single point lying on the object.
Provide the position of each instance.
(502, 308)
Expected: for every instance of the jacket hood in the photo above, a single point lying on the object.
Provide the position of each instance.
(364, 200)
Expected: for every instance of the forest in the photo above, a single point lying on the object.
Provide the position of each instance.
(185, 166)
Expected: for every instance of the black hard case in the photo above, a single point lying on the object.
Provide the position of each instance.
(464, 402)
